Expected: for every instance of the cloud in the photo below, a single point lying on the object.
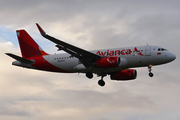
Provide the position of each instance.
(30, 94)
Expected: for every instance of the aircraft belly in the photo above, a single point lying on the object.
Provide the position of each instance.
(66, 65)
(107, 70)
(132, 61)
(137, 61)
(141, 61)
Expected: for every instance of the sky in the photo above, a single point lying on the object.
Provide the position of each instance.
(90, 24)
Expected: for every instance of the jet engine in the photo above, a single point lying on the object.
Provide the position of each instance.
(108, 62)
(123, 75)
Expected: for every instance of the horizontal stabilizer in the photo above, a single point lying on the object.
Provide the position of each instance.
(20, 59)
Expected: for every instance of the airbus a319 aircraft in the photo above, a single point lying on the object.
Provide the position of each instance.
(114, 62)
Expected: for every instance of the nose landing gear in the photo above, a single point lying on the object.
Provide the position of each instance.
(150, 73)
(101, 82)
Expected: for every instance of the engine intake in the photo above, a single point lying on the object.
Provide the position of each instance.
(128, 74)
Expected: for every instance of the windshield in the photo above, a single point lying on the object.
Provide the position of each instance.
(162, 49)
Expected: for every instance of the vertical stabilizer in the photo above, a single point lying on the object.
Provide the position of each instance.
(29, 48)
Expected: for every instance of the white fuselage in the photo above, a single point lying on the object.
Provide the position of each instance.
(131, 57)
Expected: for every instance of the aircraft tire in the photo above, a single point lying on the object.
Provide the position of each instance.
(101, 83)
(151, 74)
(89, 75)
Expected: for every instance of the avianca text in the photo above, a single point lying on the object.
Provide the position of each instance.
(114, 52)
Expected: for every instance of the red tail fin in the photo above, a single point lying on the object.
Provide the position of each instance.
(29, 48)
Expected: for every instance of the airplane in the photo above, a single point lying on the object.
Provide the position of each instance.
(117, 62)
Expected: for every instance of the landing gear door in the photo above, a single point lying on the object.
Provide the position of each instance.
(147, 50)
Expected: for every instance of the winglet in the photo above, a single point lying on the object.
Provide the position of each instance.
(41, 30)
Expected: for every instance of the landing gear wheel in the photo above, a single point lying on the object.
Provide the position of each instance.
(89, 75)
(101, 83)
(150, 69)
(151, 74)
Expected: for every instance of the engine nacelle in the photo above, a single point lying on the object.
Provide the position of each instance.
(128, 74)
(108, 62)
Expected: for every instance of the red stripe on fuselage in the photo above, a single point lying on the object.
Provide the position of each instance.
(42, 64)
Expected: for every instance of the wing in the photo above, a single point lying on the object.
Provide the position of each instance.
(86, 57)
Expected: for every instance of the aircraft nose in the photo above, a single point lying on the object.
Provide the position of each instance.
(172, 56)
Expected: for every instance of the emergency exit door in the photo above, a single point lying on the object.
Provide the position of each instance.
(147, 50)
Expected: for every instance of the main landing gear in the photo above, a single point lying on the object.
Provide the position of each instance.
(89, 75)
(101, 82)
(150, 73)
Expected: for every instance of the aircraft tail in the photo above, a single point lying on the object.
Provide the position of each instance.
(29, 48)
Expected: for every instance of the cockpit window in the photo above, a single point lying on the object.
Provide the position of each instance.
(162, 49)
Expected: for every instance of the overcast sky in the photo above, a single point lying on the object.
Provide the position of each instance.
(90, 24)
